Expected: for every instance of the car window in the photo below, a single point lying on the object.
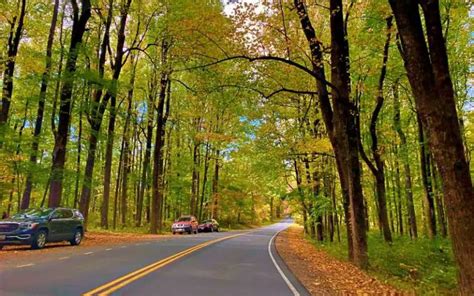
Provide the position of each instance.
(66, 213)
(56, 214)
(33, 213)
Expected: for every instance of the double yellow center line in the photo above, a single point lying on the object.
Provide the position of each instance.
(110, 287)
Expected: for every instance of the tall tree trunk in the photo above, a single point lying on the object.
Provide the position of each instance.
(341, 128)
(319, 217)
(195, 178)
(100, 105)
(12, 51)
(108, 164)
(25, 202)
(162, 116)
(440, 210)
(146, 159)
(427, 182)
(215, 187)
(428, 72)
(406, 163)
(346, 132)
(78, 160)
(204, 180)
(126, 160)
(62, 133)
(378, 169)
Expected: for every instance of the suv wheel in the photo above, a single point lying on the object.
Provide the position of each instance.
(40, 240)
(76, 240)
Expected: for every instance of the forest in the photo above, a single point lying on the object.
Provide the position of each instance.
(355, 117)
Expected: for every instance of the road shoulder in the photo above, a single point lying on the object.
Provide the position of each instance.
(320, 273)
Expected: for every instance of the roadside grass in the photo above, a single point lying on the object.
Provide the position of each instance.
(424, 266)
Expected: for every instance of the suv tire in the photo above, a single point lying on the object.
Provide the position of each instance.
(77, 238)
(39, 241)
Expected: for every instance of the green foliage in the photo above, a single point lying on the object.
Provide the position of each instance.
(423, 265)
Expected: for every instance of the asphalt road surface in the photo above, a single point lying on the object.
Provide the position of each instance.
(225, 263)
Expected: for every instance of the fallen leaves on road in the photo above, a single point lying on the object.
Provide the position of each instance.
(322, 274)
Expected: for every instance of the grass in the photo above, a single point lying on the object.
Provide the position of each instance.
(423, 265)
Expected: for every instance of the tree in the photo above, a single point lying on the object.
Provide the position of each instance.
(428, 72)
(80, 18)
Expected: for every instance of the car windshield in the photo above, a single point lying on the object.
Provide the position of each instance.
(184, 219)
(33, 213)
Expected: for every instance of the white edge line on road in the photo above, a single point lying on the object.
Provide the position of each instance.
(25, 265)
(63, 258)
(287, 281)
(88, 253)
(108, 249)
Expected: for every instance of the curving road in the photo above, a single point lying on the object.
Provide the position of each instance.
(232, 263)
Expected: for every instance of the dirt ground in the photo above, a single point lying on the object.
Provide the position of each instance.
(322, 274)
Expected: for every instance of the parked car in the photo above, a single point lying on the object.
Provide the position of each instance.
(36, 227)
(209, 225)
(187, 224)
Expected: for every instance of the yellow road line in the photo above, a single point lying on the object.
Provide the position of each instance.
(122, 281)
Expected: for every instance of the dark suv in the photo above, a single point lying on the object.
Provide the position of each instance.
(36, 227)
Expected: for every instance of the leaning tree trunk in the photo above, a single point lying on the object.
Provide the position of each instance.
(61, 136)
(428, 72)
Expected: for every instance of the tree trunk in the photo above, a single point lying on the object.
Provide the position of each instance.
(195, 179)
(378, 169)
(99, 106)
(126, 164)
(340, 125)
(215, 188)
(62, 133)
(406, 164)
(12, 51)
(25, 202)
(108, 164)
(162, 116)
(428, 73)
(204, 180)
(440, 210)
(427, 182)
(146, 159)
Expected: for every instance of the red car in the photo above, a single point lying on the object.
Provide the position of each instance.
(187, 224)
(210, 225)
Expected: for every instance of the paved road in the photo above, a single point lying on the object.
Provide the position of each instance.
(232, 263)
